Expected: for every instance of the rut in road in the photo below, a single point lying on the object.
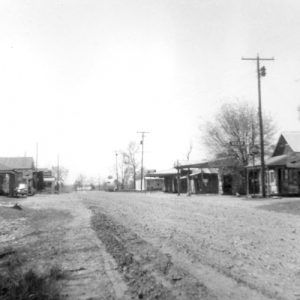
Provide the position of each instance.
(149, 273)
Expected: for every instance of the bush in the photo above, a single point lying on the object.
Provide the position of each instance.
(16, 284)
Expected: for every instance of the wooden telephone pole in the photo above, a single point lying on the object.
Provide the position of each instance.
(142, 160)
(261, 72)
(58, 175)
(117, 173)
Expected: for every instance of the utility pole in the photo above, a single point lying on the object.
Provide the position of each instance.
(117, 173)
(58, 185)
(37, 155)
(142, 167)
(36, 180)
(261, 72)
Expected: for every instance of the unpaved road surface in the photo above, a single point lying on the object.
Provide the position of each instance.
(159, 246)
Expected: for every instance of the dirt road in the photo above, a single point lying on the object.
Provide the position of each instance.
(159, 246)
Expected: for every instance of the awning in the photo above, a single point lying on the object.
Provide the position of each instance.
(164, 173)
(280, 160)
(204, 171)
(5, 170)
(49, 179)
(291, 160)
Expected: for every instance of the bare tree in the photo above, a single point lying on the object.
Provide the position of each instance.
(234, 130)
(131, 161)
(80, 181)
(60, 174)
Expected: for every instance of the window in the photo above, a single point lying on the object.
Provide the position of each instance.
(293, 176)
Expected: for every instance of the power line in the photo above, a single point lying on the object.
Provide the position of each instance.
(142, 162)
(261, 72)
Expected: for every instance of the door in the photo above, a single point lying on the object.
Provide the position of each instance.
(272, 186)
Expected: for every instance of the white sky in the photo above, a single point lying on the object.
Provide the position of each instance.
(81, 77)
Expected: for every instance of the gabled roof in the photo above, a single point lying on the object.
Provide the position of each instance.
(17, 162)
(293, 139)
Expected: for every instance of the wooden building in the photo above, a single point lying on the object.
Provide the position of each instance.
(45, 181)
(220, 176)
(7, 180)
(282, 168)
(171, 178)
(15, 170)
(150, 184)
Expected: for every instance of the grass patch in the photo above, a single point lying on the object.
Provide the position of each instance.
(288, 207)
(18, 284)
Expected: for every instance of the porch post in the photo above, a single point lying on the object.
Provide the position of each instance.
(188, 183)
(247, 182)
(259, 181)
(178, 182)
(220, 181)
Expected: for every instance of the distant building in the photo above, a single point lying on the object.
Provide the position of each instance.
(198, 177)
(219, 176)
(45, 181)
(169, 179)
(150, 184)
(15, 170)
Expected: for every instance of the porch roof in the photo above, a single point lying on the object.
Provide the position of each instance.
(184, 164)
(163, 173)
(49, 179)
(280, 160)
(217, 163)
(204, 171)
(5, 169)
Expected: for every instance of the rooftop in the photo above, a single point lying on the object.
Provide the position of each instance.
(11, 163)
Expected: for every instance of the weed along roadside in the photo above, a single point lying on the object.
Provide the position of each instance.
(17, 283)
(54, 233)
(26, 270)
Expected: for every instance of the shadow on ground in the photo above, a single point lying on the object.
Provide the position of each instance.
(289, 207)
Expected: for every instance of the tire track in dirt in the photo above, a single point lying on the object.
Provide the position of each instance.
(231, 249)
(149, 273)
